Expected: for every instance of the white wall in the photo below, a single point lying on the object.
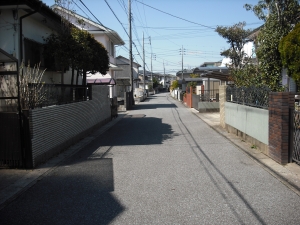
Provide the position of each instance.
(251, 121)
(248, 49)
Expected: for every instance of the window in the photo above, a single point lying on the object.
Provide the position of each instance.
(33, 53)
(112, 49)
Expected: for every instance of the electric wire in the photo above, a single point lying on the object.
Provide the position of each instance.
(175, 16)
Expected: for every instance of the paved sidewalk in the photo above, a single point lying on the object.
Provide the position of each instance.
(15, 181)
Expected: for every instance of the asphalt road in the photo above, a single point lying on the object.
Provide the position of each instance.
(160, 164)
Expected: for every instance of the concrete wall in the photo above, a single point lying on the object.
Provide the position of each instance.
(222, 95)
(55, 128)
(249, 120)
(208, 106)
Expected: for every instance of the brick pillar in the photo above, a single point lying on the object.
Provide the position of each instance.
(222, 100)
(280, 104)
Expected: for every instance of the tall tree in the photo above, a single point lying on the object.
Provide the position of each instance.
(279, 16)
(236, 37)
(242, 72)
(289, 48)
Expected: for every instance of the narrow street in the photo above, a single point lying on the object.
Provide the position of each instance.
(160, 164)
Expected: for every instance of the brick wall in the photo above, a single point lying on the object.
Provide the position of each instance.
(188, 97)
(57, 127)
(280, 104)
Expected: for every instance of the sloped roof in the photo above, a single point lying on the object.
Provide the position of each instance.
(101, 29)
(121, 60)
(42, 10)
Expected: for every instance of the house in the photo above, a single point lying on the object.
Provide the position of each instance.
(106, 36)
(123, 76)
(211, 64)
(211, 77)
(163, 79)
(24, 25)
(31, 135)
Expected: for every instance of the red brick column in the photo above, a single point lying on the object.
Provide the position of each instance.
(280, 104)
(189, 97)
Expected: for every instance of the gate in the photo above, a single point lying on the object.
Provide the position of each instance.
(296, 137)
(10, 112)
(10, 140)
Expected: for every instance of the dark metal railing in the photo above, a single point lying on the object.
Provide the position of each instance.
(209, 95)
(250, 96)
(57, 94)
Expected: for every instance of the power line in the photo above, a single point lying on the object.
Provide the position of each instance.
(116, 17)
(175, 16)
(80, 8)
(91, 12)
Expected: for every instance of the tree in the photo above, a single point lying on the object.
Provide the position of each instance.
(76, 47)
(289, 48)
(236, 36)
(192, 84)
(247, 76)
(174, 85)
(279, 16)
(155, 83)
(242, 73)
(79, 50)
(194, 75)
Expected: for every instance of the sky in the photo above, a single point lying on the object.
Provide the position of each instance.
(168, 27)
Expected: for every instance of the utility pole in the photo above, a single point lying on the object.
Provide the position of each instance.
(130, 51)
(151, 66)
(151, 69)
(144, 62)
(164, 74)
(182, 51)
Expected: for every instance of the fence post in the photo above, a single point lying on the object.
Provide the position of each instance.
(222, 96)
(280, 104)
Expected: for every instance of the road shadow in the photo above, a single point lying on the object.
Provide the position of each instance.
(137, 130)
(154, 106)
(74, 193)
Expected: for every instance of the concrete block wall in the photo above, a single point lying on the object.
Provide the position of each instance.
(280, 104)
(57, 127)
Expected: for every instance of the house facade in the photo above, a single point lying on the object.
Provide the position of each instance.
(123, 76)
(24, 26)
(107, 37)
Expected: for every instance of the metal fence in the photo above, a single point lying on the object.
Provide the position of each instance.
(252, 96)
(209, 95)
(296, 137)
(56, 94)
